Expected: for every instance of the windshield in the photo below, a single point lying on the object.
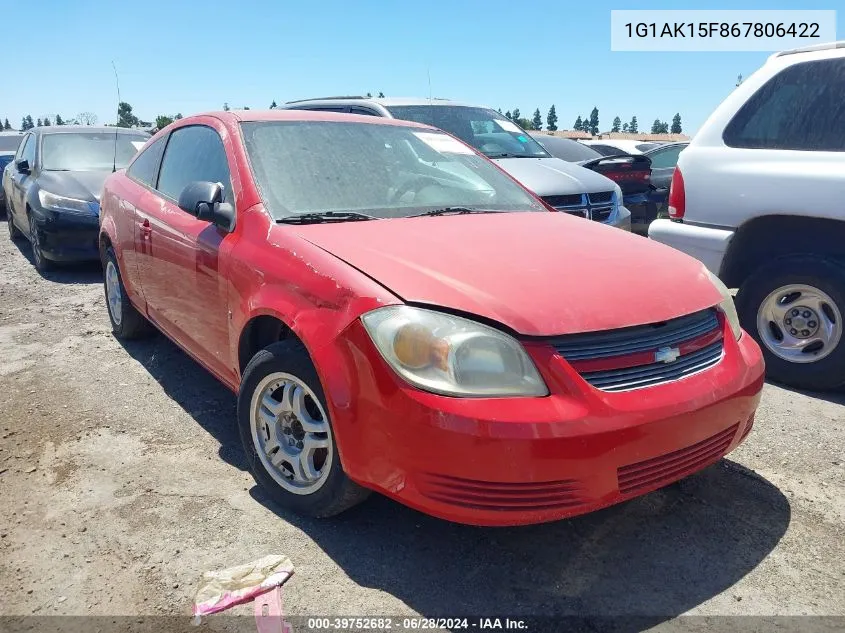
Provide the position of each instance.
(381, 170)
(565, 149)
(486, 130)
(10, 142)
(89, 151)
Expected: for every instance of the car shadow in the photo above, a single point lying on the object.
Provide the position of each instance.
(625, 568)
(190, 386)
(834, 396)
(64, 273)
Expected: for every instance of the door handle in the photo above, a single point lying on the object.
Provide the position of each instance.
(146, 230)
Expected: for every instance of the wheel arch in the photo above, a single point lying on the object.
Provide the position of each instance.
(769, 237)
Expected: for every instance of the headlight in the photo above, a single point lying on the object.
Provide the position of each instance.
(56, 202)
(449, 355)
(617, 190)
(726, 305)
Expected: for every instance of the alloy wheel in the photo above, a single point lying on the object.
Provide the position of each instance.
(291, 433)
(113, 293)
(799, 323)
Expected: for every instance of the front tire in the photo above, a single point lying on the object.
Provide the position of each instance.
(126, 321)
(794, 308)
(287, 433)
(42, 264)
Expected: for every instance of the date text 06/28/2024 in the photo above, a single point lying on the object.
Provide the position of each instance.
(719, 30)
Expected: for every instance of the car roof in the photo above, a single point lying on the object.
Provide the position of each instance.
(388, 101)
(7, 152)
(810, 49)
(242, 116)
(71, 129)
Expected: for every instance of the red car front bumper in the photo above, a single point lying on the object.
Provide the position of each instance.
(515, 461)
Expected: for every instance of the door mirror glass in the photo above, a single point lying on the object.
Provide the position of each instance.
(23, 166)
(204, 200)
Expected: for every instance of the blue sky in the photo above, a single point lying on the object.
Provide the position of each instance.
(190, 57)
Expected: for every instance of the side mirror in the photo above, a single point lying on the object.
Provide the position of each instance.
(23, 166)
(204, 200)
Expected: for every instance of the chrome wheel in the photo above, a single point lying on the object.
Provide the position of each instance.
(291, 433)
(799, 323)
(113, 293)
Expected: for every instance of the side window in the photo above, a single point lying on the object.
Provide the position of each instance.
(145, 167)
(27, 150)
(666, 158)
(362, 111)
(193, 153)
(800, 108)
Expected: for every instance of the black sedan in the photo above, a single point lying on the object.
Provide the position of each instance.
(53, 188)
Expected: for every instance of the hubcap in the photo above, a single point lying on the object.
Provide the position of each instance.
(113, 292)
(799, 323)
(291, 434)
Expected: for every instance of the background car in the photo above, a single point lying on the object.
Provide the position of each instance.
(564, 186)
(10, 141)
(631, 172)
(398, 314)
(759, 197)
(53, 188)
(613, 146)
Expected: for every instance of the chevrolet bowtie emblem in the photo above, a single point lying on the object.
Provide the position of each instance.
(666, 355)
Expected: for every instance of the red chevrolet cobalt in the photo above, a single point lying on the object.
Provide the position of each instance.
(397, 314)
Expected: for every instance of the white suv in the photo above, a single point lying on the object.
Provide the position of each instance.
(759, 197)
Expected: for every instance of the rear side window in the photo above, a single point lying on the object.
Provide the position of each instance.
(146, 165)
(665, 158)
(193, 153)
(800, 108)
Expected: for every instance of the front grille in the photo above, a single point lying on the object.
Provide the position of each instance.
(624, 359)
(655, 373)
(659, 471)
(592, 206)
(501, 496)
(565, 201)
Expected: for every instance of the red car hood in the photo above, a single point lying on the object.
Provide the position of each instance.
(537, 273)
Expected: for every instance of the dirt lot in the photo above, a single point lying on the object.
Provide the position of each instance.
(122, 479)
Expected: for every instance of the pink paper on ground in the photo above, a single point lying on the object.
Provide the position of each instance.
(222, 589)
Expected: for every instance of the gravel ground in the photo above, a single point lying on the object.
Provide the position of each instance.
(122, 479)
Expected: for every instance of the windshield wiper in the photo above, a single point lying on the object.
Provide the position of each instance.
(326, 216)
(454, 211)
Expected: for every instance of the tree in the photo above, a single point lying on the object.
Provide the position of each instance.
(525, 124)
(537, 121)
(738, 79)
(26, 123)
(6, 125)
(59, 120)
(273, 105)
(655, 127)
(551, 119)
(624, 127)
(579, 124)
(499, 110)
(676, 123)
(125, 118)
(225, 106)
(617, 122)
(46, 121)
(87, 118)
(246, 107)
(369, 95)
(39, 123)
(594, 121)
(162, 121)
(508, 114)
(515, 114)
(381, 95)
(632, 126)
(178, 116)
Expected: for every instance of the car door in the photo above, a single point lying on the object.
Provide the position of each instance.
(21, 182)
(179, 257)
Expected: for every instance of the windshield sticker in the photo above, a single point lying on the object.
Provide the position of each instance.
(522, 138)
(508, 125)
(443, 143)
(138, 144)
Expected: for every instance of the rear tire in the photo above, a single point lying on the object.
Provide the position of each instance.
(767, 303)
(14, 232)
(282, 416)
(126, 322)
